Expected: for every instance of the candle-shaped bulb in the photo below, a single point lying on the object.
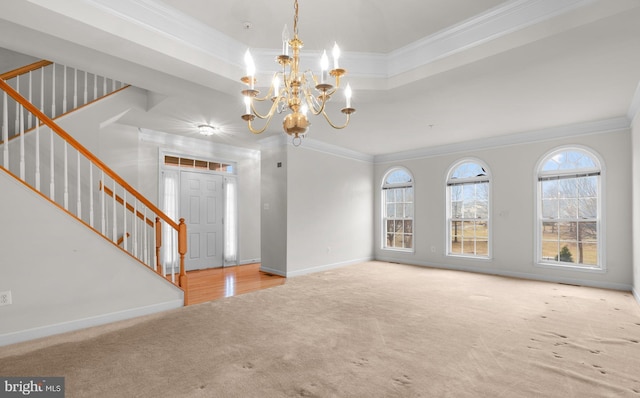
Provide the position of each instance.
(304, 109)
(336, 55)
(324, 65)
(276, 86)
(347, 95)
(285, 40)
(247, 105)
(250, 65)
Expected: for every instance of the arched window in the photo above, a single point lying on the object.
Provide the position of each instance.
(468, 209)
(397, 210)
(569, 201)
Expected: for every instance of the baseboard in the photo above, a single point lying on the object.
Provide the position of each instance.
(326, 267)
(272, 271)
(50, 330)
(520, 275)
(251, 261)
(636, 294)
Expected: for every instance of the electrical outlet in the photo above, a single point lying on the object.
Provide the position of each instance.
(5, 298)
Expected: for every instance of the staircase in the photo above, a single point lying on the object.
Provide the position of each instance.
(35, 150)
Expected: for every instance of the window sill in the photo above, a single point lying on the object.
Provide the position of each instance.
(397, 249)
(467, 257)
(566, 267)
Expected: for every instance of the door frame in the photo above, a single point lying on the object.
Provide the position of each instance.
(162, 167)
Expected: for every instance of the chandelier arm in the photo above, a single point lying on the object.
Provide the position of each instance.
(333, 125)
(312, 105)
(267, 115)
(267, 96)
(262, 130)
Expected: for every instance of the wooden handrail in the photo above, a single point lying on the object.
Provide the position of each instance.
(76, 145)
(109, 191)
(25, 69)
(121, 239)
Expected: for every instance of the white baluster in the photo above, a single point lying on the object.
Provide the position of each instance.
(53, 91)
(66, 177)
(115, 225)
(95, 87)
(90, 194)
(17, 124)
(64, 90)
(154, 257)
(22, 163)
(102, 213)
(75, 88)
(78, 189)
(135, 228)
(5, 131)
(52, 185)
(146, 236)
(124, 218)
(29, 116)
(42, 90)
(173, 255)
(113, 85)
(104, 86)
(38, 155)
(86, 91)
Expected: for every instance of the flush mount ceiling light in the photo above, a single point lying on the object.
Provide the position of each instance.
(206, 129)
(294, 91)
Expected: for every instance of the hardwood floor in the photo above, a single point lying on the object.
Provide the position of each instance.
(215, 283)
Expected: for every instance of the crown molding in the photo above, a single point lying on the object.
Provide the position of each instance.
(319, 146)
(553, 133)
(273, 141)
(495, 23)
(157, 17)
(194, 144)
(281, 140)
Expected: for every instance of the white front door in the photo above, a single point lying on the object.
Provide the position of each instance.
(201, 207)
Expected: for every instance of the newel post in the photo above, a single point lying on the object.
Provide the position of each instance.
(158, 245)
(182, 249)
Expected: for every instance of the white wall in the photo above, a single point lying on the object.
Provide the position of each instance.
(329, 210)
(273, 216)
(62, 276)
(513, 204)
(635, 134)
(11, 60)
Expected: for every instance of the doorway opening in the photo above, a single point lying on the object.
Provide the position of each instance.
(204, 193)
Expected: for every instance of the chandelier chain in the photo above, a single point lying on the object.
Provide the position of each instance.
(295, 19)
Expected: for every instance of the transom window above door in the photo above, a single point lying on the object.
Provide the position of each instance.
(198, 164)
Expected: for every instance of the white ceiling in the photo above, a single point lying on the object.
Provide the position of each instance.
(425, 73)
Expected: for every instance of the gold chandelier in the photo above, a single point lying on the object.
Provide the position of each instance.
(294, 91)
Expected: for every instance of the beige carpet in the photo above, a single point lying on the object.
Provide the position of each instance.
(368, 330)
